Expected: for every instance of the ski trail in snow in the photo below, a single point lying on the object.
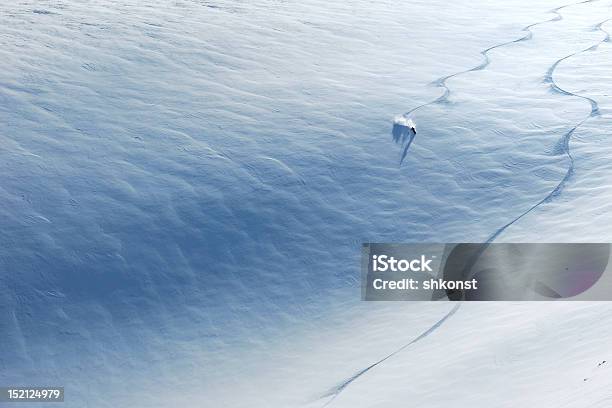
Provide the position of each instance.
(441, 82)
(334, 392)
(549, 78)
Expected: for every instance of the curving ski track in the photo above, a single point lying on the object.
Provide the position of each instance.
(549, 78)
(441, 82)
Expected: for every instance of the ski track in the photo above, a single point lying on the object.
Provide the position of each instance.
(334, 392)
(441, 82)
(549, 78)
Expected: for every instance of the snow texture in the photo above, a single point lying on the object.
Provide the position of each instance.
(186, 185)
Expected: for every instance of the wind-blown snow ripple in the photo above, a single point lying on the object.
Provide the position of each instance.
(186, 183)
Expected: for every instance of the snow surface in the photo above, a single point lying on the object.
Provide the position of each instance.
(186, 185)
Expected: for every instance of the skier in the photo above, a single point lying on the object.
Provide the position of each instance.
(411, 126)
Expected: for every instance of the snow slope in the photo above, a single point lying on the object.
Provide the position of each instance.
(186, 185)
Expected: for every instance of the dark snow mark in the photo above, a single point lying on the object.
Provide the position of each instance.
(89, 66)
(335, 391)
(43, 12)
(594, 371)
(564, 143)
(441, 82)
